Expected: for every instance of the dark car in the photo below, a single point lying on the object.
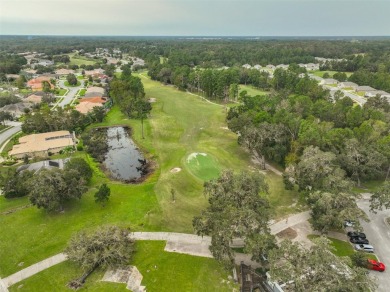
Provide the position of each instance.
(359, 240)
(356, 234)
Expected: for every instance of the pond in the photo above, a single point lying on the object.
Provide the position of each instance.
(123, 159)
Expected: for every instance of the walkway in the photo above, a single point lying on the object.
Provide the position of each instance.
(34, 269)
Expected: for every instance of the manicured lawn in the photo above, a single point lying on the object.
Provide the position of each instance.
(203, 166)
(82, 91)
(80, 77)
(252, 91)
(67, 84)
(61, 91)
(283, 201)
(343, 248)
(79, 60)
(161, 271)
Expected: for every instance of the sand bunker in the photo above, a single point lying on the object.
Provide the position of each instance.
(176, 169)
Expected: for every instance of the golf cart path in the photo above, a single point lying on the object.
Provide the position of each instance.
(184, 243)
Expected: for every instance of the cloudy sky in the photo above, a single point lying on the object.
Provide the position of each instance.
(196, 17)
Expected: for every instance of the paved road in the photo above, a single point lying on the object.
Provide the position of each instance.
(71, 94)
(378, 233)
(4, 136)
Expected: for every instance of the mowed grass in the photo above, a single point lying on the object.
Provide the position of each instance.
(161, 271)
(342, 248)
(252, 91)
(182, 124)
(282, 201)
(79, 60)
(203, 166)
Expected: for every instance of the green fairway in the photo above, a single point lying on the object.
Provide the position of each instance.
(161, 271)
(252, 91)
(79, 60)
(203, 166)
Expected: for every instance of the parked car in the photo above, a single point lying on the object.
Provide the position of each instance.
(359, 240)
(364, 247)
(375, 265)
(349, 223)
(356, 234)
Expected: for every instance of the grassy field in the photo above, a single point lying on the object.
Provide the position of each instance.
(252, 91)
(79, 60)
(161, 271)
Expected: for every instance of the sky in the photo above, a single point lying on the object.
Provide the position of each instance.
(196, 17)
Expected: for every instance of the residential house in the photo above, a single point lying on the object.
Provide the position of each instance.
(282, 66)
(17, 109)
(328, 81)
(346, 84)
(36, 97)
(86, 107)
(46, 164)
(312, 67)
(364, 89)
(246, 66)
(44, 144)
(258, 67)
(36, 84)
(62, 72)
(373, 93)
(271, 67)
(95, 89)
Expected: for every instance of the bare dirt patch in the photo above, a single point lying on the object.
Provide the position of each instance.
(175, 170)
(287, 233)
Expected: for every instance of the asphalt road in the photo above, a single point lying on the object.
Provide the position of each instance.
(4, 136)
(71, 94)
(378, 233)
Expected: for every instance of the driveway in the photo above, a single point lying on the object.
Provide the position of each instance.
(378, 233)
(71, 94)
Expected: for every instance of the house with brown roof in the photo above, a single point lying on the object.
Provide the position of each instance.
(86, 106)
(44, 144)
(62, 72)
(36, 84)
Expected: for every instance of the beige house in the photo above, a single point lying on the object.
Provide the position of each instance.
(43, 144)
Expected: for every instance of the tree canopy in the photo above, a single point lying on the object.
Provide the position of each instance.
(238, 209)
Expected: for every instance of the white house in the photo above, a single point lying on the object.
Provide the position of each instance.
(328, 81)
(258, 67)
(246, 66)
(346, 84)
(377, 92)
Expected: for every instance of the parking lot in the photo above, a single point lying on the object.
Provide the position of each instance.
(378, 233)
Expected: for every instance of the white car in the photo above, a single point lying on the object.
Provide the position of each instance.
(364, 247)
